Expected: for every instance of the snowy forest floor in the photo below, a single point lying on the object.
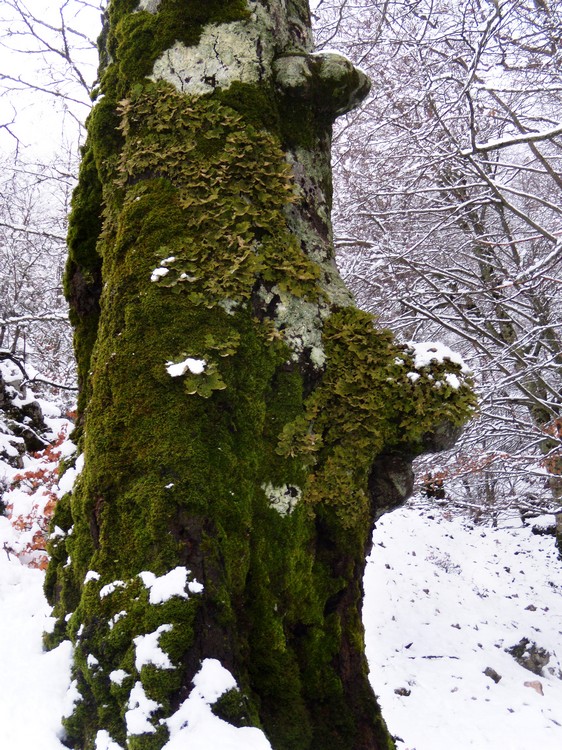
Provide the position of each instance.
(444, 600)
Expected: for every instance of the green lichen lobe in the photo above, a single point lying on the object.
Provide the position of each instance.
(231, 185)
(366, 403)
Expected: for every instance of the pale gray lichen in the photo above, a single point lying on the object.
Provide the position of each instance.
(226, 53)
(300, 323)
(283, 499)
(149, 5)
(229, 305)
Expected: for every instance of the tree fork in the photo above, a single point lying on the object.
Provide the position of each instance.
(242, 423)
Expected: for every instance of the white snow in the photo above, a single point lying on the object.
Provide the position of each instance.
(71, 698)
(104, 741)
(33, 684)
(177, 369)
(147, 650)
(66, 481)
(452, 380)
(117, 676)
(426, 352)
(443, 602)
(110, 588)
(195, 726)
(159, 273)
(116, 617)
(141, 707)
(170, 584)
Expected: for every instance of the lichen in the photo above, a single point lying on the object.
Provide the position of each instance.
(234, 168)
(367, 403)
(225, 53)
(327, 80)
(150, 5)
(283, 499)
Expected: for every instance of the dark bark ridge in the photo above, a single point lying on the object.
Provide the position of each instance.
(243, 424)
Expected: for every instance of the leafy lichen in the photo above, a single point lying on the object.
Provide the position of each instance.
(366, 403)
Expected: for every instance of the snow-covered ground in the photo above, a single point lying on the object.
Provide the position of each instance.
(33, 684)
(443, 601)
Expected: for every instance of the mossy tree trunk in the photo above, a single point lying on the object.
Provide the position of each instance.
(242, 423)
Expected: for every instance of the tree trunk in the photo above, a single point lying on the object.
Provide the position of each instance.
(242, 423)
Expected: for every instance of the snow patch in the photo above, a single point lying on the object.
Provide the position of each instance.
(116, 618)
(453, 381)
(177, 369)
(195, 726)
(71, 698)
(159, 273)
(170, 584)
(456, 597)
(67, 480)
(426, 352)
(105, 742)
(118, 676)
(110, 588)
(141, 707)
(147, 650)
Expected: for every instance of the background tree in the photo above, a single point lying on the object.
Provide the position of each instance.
(242, 423)
(45, 83)
(34, 330)
(448, 185)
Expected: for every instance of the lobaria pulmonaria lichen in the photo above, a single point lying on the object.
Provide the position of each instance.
(242, 423)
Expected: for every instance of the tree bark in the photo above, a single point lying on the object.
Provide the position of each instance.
(242, 423)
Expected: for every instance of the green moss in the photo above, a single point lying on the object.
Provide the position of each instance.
(300, 125)
(256, 104)
(235, 708)
(82, 282)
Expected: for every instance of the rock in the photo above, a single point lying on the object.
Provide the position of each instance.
(544, 530)
(529, 655)
(531, 608)
(404, 691)
(536, 685)
(492, 674)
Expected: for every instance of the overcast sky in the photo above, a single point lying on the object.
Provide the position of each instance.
(43, 121)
